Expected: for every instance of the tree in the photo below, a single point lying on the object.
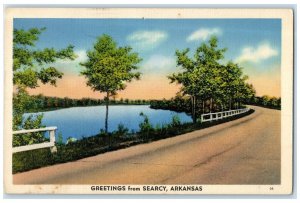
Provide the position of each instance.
(199, 78)
(188, 78)
(232, 83)
(247, 93)
(109, 67)
(209, 55)
(29, 71)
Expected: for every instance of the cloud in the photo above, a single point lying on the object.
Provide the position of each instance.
(69, 66)
(257, 54)
(158, 64)
(147, 39)
(81, 57)
(203, 34)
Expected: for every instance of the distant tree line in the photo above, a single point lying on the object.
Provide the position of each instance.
(178, 104)
(266, 101)
(35, 103)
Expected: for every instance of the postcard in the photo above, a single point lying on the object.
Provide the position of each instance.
(148, 101)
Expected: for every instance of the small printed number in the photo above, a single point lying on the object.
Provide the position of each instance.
(271, 188)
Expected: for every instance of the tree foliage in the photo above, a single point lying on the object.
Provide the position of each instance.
(28, 62)
(109, 67)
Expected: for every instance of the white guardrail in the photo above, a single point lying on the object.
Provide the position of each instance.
(50, 144)
(220, 115)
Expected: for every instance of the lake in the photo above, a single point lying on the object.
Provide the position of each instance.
(87, 121)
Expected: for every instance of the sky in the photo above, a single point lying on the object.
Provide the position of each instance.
(255, 44)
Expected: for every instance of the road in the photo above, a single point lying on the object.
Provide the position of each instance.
(244, 151)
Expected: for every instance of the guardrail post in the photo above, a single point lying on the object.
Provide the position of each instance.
(52, 140)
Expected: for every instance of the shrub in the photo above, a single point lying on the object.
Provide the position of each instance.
(157, 127)
(60, 139)
(122, 130)
(176, 121)
(145, 126)
(71, 140)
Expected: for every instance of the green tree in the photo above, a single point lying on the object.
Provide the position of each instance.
(232, 83)
(247, 93)
(199, 78)
(109, 67)
(208, 56)
(188, 78)
(29, 68)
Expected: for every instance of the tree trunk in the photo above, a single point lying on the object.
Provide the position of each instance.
(195, 119)
(193, 108)
(211, 104)
(106, 113)
(203, 110)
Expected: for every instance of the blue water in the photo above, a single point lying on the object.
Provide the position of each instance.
(87, 121)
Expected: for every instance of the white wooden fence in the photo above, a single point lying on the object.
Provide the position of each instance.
(50, 144)
(220, 115)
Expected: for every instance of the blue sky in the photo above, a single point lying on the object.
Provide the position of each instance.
(253, 43)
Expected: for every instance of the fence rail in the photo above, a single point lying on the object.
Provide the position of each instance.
(50, 144)
(220, 115)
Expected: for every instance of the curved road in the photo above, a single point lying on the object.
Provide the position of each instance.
(244, 151)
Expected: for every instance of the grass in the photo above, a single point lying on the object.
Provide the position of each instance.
(101, 143)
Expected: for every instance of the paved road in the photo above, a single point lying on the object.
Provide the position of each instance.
(244, 151)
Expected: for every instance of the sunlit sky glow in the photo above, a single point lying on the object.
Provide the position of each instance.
(253, 43)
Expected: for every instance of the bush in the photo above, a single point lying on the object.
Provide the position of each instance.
(175, 121)
(122, 130)
(60, 139)
(145, 126)
(71, 140)
(32, 122)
